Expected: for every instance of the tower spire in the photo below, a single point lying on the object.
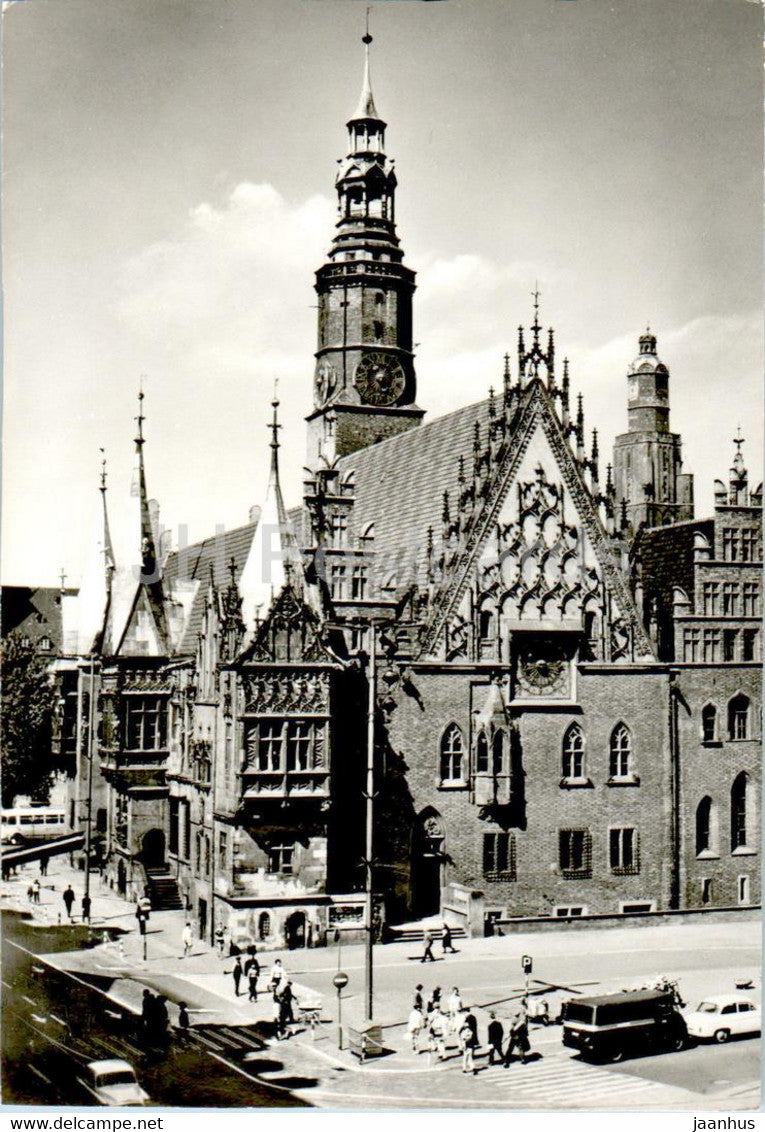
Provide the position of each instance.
(95, 588)
(148, 549)
(366, 108)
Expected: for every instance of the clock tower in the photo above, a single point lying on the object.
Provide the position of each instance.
(364, 380)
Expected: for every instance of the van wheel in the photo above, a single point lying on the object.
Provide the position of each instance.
(617, 1055)
(721, 1036)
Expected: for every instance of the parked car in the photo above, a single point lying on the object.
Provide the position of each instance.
(723, 1016)
(611, 1027)
(112, 1082)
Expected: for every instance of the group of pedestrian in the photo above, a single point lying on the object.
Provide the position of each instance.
(155, 1018)
(433, 1026)
(446, 944)
(33, 892)
(250, 971)
(69, 899)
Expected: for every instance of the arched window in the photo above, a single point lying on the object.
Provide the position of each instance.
(573, 752)
(704, 831)
(498, 753)
(738, 717)
(709, 723)
(621, 752)
(264, 925)
(740, 819)
(452, 750)
(481, 754)
(485, 621)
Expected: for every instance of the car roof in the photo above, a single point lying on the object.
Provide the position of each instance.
(722, 998)
(110, 1065)
(623, 997)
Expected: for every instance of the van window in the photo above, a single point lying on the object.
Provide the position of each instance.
(579, 1012)
(729, 1008)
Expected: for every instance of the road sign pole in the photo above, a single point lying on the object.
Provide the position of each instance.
(340, 981)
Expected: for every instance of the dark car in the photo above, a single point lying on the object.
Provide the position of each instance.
(611, 1027)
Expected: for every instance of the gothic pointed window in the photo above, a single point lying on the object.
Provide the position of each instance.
(705, 827)
(498, 753)
(740, 818)
(573, 752)
(452, 754)
(738, 717)
(621, 752)
(709, 723)
(482, 754)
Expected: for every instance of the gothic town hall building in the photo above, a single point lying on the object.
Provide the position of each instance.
(567, 692)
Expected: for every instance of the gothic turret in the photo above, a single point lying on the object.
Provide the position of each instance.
(364, 383)
(95, 589)
(650, 486)
(273, 558)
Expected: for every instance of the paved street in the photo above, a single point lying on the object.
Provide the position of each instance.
(706, 958)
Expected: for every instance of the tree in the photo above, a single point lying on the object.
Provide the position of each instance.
(28, 704)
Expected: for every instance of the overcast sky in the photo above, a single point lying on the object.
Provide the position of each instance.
(168, 194)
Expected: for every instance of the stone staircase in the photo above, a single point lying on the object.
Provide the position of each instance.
(163, 889)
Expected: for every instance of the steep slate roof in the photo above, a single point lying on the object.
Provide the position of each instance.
(193, 563)
(400, 482)
(34, 613)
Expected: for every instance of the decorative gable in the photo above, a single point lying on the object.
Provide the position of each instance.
(533, 555)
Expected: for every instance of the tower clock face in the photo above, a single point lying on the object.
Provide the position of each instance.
(325, 381)
(380, 379)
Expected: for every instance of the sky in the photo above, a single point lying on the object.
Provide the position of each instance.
(168, 194)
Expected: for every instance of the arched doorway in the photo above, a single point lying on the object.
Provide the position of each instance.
(152, 853)
(427, 864)
(294, 930)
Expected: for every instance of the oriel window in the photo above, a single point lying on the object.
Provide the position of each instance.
(145, 723)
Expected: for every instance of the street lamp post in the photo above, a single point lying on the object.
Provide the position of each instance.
(91, 753)
(369, 911)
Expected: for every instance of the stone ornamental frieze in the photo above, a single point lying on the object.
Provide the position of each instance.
(286, 693)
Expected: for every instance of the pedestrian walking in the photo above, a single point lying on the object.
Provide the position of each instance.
(454, 1005)
(68, 898)
(437, 1035)
(496, 1038)
(161, 1018)
(36, 890)
(44, 867)
(188, 940)
(250, 959)
(519, 1039)
(277, 974)
(252, 980)
(286, 1014)
(446, 940)
(86, 903)
(31, 893)
(220, 940)
(414, 1027)
(237, 973)
(434, 1001)
(427, 955)
(418, 997)
(147, 1013)
(468, 1039)
(183, 1023)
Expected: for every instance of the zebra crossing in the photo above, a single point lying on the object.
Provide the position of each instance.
(566, 1083)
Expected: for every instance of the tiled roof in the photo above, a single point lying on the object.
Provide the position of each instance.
(35, 613)
(193, 563)
(400, 482)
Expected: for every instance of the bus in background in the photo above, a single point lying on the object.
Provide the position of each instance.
(32, 824)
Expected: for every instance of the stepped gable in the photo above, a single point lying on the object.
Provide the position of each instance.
(400, 483)
(193, 564)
